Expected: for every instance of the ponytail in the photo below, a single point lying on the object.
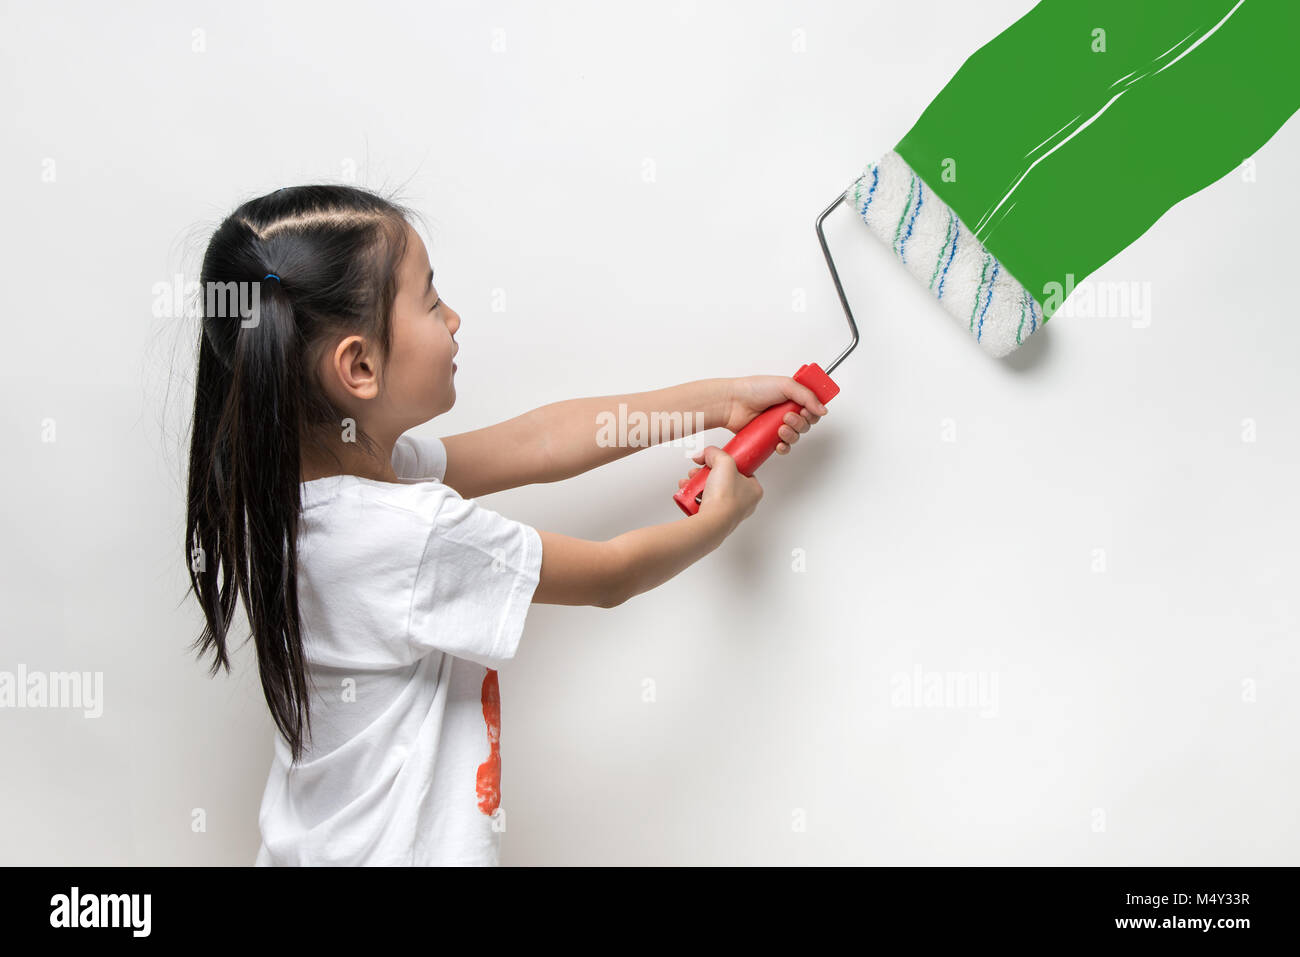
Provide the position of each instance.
(333, 253)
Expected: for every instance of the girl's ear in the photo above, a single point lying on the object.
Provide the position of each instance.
(353, 368)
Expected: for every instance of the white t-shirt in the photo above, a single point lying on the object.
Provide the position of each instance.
(409, 597)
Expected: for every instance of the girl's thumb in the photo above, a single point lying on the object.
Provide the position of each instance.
(714, 456)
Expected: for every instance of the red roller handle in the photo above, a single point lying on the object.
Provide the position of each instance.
(752, 445)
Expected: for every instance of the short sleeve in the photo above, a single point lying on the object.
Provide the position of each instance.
(419, 458)
(475, 583)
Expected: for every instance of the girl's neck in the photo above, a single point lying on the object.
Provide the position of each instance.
(354, 463)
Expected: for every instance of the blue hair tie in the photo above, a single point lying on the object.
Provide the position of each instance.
(271, 275)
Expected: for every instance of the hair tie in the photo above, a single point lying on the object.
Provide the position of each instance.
(270, 275)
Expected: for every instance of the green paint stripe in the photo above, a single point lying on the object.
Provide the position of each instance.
(899, 228)
(947, 238)
(1190, 109)
(979, 290)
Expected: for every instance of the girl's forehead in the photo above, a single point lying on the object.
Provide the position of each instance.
(415, 264)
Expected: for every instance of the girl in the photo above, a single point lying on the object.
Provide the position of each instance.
(360, 554)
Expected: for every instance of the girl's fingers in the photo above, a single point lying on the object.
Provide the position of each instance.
(811, 395)
(796, 421)
(794, 424)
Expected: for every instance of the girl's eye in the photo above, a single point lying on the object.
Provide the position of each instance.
(436, 304)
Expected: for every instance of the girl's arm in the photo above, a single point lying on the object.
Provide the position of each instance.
(564, 439)
(579, 572)
(576, 571)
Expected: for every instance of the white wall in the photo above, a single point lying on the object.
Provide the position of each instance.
(776, 690)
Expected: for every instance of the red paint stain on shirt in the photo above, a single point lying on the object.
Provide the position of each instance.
(489, 772)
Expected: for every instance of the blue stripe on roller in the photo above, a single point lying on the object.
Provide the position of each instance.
(875, 180)
(920, 192)
(992, 279)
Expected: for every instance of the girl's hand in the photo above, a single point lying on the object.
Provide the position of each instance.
(728, 493)
(750, 395)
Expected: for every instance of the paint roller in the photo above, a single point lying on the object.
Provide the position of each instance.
(1010, 188)
(1016, 182)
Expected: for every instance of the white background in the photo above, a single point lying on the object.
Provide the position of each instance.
(1144, 714)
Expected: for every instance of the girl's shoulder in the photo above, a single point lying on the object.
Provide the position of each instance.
(421, 497)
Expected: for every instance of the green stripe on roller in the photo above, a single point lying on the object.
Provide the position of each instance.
(906, 206)
(947, 238)
(979, 291)
(1067, 136)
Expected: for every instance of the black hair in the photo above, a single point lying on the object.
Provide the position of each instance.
(333, 251)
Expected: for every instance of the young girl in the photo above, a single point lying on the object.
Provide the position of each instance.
(360, 554)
